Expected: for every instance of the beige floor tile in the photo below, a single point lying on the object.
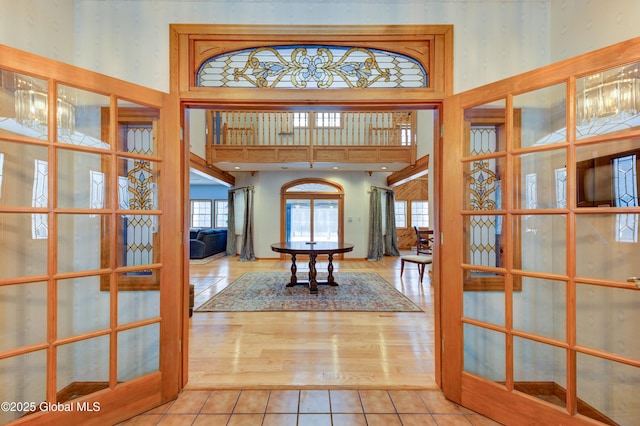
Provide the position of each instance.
(280, 419)
(438, 404)
(143, 420)
(245, 420)
(221, 402)
(190, 402)
(177, 420)
(417, 420)
(252, 401)
(314, 401)
(314, 419)
(407, 401)
(376, 401)
(160, 409)
(345, 401)
(211, 420)
(374, 419)
(349, 420)
(283, 401)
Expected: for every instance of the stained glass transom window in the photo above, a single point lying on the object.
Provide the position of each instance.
(312, 187)
(312, 67)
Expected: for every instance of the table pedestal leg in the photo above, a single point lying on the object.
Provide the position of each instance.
(294, 269)
(330, 280)
(313, 284)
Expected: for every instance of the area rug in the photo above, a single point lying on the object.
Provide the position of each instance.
(206, 260)
(266, 291)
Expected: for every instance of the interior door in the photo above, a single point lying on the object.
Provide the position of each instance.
(540, 243)
(89, 331)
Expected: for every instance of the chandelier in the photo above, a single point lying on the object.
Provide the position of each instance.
(611, 94)
(32, 107)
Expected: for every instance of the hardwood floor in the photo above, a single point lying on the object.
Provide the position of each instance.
(307, 350)
(311, 368)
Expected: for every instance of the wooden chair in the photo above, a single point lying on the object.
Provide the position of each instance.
(424, 243)
(421, 261)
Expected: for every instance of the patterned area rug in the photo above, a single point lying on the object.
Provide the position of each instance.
(266, 291)
(206, 260)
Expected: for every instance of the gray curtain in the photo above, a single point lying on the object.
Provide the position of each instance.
(246, 251)
(231, 224)
(375, 226)
(390, 237)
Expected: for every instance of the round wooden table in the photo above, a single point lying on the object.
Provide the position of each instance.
(312, 249)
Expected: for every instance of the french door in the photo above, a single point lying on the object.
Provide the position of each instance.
(311, 220)
(312, 210)
(90, 326)
(540, 247)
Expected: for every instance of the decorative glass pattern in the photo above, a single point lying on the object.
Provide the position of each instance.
(561, 187)
(484, 185)
(123, 193)
(625, 181)
(483, 240)
(485, 195)
(96, 190)
(40, 198)
(626, 195)
(140, 194)
(532, 191)
(312, 67)
(312, 187)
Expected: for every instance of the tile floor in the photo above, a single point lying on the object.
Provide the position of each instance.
(310, 408)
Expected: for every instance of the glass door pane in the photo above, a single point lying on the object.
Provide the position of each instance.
(325, 220)
(298, 221)
(80, 298)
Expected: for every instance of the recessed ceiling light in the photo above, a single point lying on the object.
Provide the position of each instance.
(384, 167)
(237, 167)
(335, 167)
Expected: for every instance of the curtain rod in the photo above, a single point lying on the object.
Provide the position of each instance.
(380, 187)
(241, 187)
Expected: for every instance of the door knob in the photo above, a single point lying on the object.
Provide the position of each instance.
(635, 280)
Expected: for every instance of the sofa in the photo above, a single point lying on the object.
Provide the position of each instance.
(206, 242)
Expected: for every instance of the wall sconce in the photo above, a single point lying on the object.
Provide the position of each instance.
(610, 94)
(31, 105)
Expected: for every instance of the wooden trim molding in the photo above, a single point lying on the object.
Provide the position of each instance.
(430, 45)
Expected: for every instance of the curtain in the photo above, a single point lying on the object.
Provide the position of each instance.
(375, 225)
(231, 224)
(246, 251)
(390, 236)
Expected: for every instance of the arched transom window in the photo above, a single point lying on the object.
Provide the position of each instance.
(312, 67)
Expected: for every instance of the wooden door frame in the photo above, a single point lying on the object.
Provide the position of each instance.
(410, 39)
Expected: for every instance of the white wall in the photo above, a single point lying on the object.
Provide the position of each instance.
(493, 39)
(44, 27)
(267, 187)
(580, 26)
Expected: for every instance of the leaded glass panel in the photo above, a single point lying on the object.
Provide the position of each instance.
(312, 67)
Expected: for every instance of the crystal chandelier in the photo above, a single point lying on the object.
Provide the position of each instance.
(32, 108)
(611, 94)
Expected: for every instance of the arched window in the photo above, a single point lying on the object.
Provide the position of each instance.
(312, 210)
(312, 67)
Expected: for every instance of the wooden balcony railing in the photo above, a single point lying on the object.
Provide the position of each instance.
(274, 136)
